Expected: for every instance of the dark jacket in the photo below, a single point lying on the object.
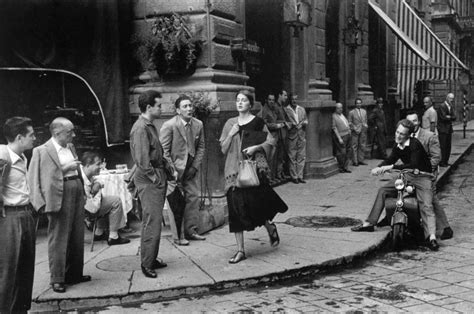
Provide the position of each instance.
(445, 124)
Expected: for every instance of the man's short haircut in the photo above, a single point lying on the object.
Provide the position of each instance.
(280, 92)
(247, 94)
(89, 157)
(411, 111)
(16, 126)
(270, 94)
(357, 99)
(407, 124)
(178, 101)
(147, 98)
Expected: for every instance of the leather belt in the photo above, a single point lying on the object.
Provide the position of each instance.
(70, 178)
(17, 208)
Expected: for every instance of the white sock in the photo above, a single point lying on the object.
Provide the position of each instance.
(113, 235)
(432, 237)
(366, 224)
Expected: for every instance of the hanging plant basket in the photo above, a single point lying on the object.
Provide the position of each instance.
(174, 46)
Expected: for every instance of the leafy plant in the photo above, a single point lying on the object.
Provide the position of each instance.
(173, 47)
(203, 104)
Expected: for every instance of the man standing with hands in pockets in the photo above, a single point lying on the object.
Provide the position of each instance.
(183, 143)
(56, 185)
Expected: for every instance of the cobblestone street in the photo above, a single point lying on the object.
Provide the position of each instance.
(415, 280)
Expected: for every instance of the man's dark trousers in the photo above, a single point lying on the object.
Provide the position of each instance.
(445, 145)
(342, 151)
(152, 199)
(66, 235)
(17, 259)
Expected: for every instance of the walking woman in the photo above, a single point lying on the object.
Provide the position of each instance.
(249, 207)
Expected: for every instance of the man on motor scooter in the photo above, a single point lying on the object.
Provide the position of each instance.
(411, 152)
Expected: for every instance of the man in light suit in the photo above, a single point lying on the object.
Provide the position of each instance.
(182, 138)
(56, 185)
(445, 128)
(430, 143)
(358, 125)
(297, 121)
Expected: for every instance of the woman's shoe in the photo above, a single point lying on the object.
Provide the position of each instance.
(239, 256)
(274, 238)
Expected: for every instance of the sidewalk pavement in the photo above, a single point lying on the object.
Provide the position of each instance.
(203, 265)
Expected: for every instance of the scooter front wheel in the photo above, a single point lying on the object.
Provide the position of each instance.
(398, 235)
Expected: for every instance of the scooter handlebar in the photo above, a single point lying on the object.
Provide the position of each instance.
(413, 171)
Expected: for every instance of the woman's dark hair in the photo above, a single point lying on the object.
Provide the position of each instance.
(247, 94)
(147, 98)
(180, 99)
(15, 126)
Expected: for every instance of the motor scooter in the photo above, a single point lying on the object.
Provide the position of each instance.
(404, 212)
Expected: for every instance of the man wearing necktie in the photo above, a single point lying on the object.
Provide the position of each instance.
(445, 128)
(358, 125)
(56, 185)
(182, 138)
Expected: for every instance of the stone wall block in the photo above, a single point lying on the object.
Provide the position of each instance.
(226, 8)
(142, 8)
(224, 30)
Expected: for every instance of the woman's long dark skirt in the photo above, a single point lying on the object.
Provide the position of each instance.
(251, 207)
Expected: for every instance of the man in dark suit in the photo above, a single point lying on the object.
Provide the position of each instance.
(182, 138)
(17, 225)
(411, 152)
(275, 123)
(445, 128)
(377, 121)
(56, 185)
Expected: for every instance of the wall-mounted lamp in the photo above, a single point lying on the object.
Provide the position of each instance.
(353, 36)
(296, 14)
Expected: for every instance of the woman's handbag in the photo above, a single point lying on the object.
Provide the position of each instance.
(247, 176)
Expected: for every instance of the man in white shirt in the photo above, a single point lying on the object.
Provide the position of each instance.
(17, 224)
(56, 185)
(341, 139)
(430, 117)
(108, 207)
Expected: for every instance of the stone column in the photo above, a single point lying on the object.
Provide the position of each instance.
(318, 102)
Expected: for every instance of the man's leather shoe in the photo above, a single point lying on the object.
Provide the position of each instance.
(196, 237)
(347, 171)
(295, 181)
(148, 272)
(118, 241)
(355, 165)
(447, 233)
(59, 287)
(443, 165)
(301, 180)
(181, 242)
(84, 278)
(159, 264)
(362, 228)
(433, 245)
(362, 163)
(101, 237)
